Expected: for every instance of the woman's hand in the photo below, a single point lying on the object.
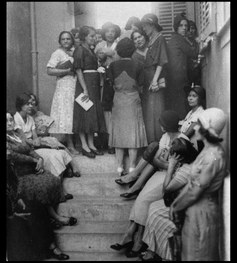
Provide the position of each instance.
(174, 159)
(21, 204)
(101, 69)
(85, 96)
(39, 166)
(154, 86)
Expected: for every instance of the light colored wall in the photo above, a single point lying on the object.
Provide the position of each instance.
(51, 19)
(88, 15)
(19, 69)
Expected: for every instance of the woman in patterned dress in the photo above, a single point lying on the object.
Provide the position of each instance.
(60, 65)
(86, 123)
(158, 227)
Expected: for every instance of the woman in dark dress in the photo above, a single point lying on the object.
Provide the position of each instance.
(153, 100)
(180, 50)
(88, 82)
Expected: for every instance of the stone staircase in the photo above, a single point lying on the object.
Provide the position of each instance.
(102, 214)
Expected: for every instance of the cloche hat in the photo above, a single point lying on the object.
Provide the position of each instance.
(169, 120)
(151, 19)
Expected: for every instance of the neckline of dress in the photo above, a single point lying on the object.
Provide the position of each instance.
(154, 38)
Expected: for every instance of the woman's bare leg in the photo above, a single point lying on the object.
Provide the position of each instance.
(91, 141)
(57, 217)
(138, 238)
(130, 233)
(70, 144)
(84, 142)
(119, 152)
(147, 172)
(132, 157)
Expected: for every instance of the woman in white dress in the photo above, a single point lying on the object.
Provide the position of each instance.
(61, 66)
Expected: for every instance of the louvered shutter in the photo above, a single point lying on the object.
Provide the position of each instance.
(166, 13)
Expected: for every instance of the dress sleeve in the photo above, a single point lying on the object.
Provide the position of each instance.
(54, 59)
(78, 58)
(159, 52)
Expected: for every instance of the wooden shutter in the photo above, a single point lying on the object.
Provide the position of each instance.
(166, 13)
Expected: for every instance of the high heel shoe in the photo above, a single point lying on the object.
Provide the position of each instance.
(118, 247)
(120, 182)
(52, 254)
(97, 152)
(134, 254)
(76, 174)
(128, 195)
(68, 196)
(88, 154)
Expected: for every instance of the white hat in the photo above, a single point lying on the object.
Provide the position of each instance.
(213, 120)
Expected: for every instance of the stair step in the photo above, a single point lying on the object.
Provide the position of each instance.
(96, 256)
(94, 185)
(91, 236)
(100, 209)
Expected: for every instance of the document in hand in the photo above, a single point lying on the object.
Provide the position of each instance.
(65, 65)
(86, 105)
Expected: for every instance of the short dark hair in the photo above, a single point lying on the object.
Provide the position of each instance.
(125, 48)
(140, 31)
(36, 101)
(185, 149)
(133, 20)
(22, 100)
(85, 31)
(65, 32)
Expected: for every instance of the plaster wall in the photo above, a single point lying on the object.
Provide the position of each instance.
(19, 68)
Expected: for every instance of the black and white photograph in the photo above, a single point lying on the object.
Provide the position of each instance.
(118, 131)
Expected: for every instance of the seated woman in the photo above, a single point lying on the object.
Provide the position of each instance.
(58, 162)
(159, 228)
(153, 188)
(196, 100)
(40, 190)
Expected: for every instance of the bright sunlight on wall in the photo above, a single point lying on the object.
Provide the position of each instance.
(119, 12)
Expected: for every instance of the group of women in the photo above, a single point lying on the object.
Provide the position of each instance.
(140, 88)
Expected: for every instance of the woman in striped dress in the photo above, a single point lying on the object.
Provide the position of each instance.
(158, 225)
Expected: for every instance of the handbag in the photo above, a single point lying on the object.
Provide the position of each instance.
(161, 83)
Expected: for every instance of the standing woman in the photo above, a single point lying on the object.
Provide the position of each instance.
(86, 123)
(153, 100)
(180, 50)
(200, 233)
(60, 65)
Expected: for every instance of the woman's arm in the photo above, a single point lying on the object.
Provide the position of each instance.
(58, 72)
(158, 162)
(190, 131)
(82, 81)
(154, 83)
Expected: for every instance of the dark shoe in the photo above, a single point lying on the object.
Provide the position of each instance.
(68, 173)
(76, 174)
(111, 151)
(128, 195)
(155, 257)
(119, 247)
(120, 182)
(134, 254)
(97, 152)
(61, 256)
(71, 222)
(123, 173)
(68, 196)
(88, 154)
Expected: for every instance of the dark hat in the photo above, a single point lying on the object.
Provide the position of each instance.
(125, 47)
(169, 120)
(200, 91)
(151, 19)
(178, 19)
(108, 25)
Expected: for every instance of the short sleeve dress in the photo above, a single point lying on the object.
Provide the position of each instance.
(90, 121)
(127, 125)
(153, 103)
(63, 99)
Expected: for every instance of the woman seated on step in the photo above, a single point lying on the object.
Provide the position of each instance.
(39, 190)
(196, 100)
(153, 188)
(56, 159)
(159, 228)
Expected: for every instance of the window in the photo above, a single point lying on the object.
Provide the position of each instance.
(166, 13)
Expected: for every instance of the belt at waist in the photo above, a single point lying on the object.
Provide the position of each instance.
(90, 71)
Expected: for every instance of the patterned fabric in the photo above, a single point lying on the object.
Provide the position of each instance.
(63, 99)
(42, 123)
(127, 128)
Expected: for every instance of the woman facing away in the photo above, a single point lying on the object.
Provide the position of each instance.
(199, 198)
(159, 228)
(60, 65)
(86, 123)
(38, 188)
(180, 50)
(153, 100)
(152, 190)
(127, 126)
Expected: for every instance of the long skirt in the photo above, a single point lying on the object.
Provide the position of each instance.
(55, 161)
(200, 233)
(158, 229)
(62, 105)
(151, 192)
(90, 121)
